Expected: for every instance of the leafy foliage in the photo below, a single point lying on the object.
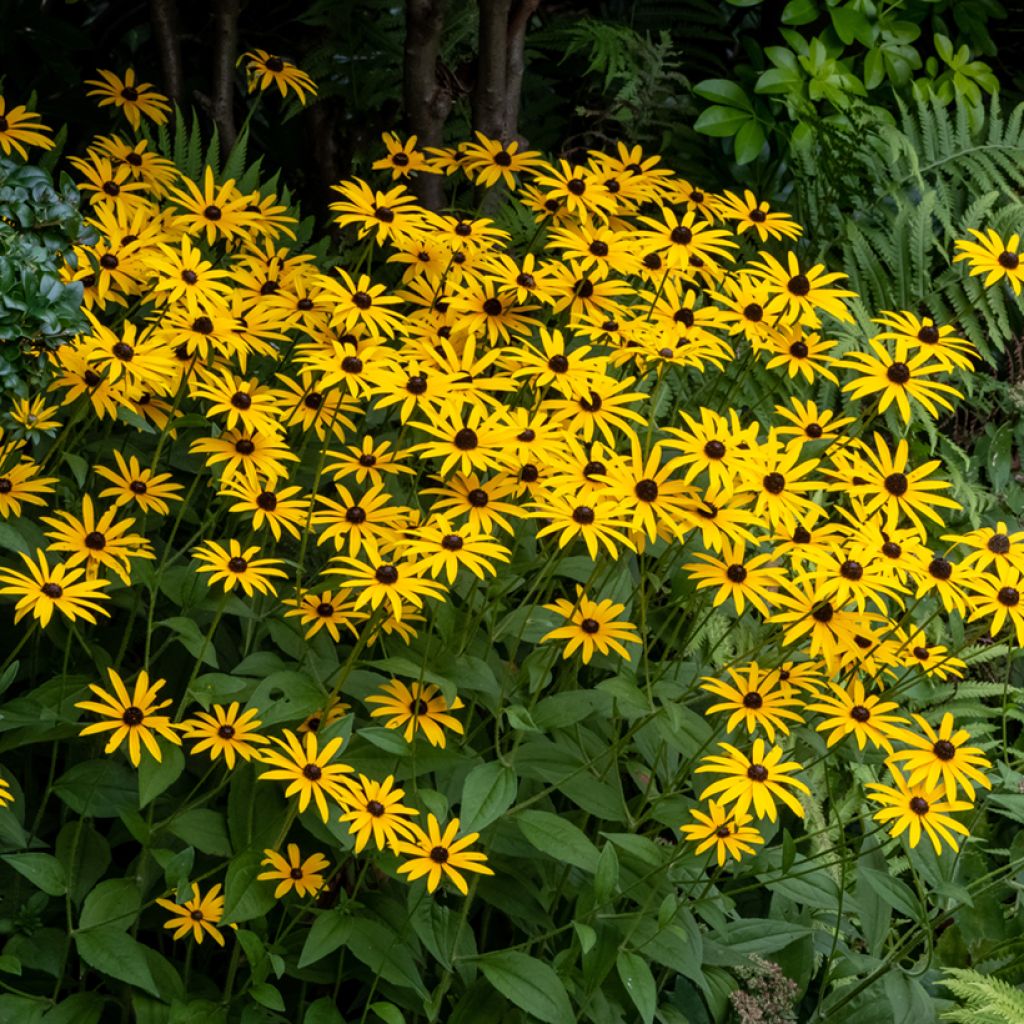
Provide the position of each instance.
(987, 1000)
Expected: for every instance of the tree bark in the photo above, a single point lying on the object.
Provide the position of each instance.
(164, 15)
(490, 92)
(427, 101)
(225, 54)
(515, 65)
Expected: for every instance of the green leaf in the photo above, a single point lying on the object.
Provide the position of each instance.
(721, 122)
(529, 983)
(636, 976)
(156, 776)
(268, 996)
(98, 789)
(323, 1011)
(329, 932)
(10, 964)
(799, 12)
(244, 896)
(606, 878)
(749, 142)
(558, 838)
(724, 92)
(80, 1008)
(85, 855)
(44, 871)
(384, 953)
(388, 1012)
(110, 951)
(204, 829)
(892, 891)
(487, 793)
(113, 903)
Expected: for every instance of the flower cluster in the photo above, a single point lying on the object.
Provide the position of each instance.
(359, 446)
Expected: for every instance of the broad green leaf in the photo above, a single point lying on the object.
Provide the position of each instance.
(330, 931)
(385, 953)
(724, 92)
(268, 996)
(204, 829)
(110, 951)
(113, 903)
(558, 838)
(897, 894)
(323, 1011)
(244, 896)
(530, 984)
(44, 871)
(722, 122)
(489, 791)
(98, 789)
(638, 981)
(156, 776)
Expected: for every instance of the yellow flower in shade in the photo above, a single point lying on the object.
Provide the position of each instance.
(743, 579)
(198, 915)
(403, 158)
(894, 489)
(940, 758)
(21, 484)
(131, 716)
(436, 855)
(991, 256)
(218, 211)
(491, 161)
(809, 423)
(780, 481)
(282, 509)
(752, 215)
(801, 352)
(592, 625)
(755, 698)
(375, 809)
(304, 876)
(136, 484)
(234, 566)
(868, 717)
(799, 296)
(897, 377)
(34, 413)
(393, 214)
(43, 589)
(758, 780)
(97, 541)
(265, 71)
(925, 335)
(418, 707)
(20, 127)
(385, 584)
(6, 796)
(325, 610)
(251, 455)
(729, 833)
(914, 809)
(309, 771)
(134, 99)
(715, 444)
(225, 732)
(993, 546)
(321, 719)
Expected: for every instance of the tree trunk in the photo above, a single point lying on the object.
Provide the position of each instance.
(501, 62)
(427, 101)
(515, 65)
(164, 14)
(225, 54)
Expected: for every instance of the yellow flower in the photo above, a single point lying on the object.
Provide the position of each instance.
(234, 566)
(225, 732)
(991, 256)
(197, 915)
(419, 707)
(304, 876)
(375, 809)
(20, 127)
(131, 717)
(941, 758)
(436, 855)
(758, 780)
(134, 99)
(592, 625)
(308, 770)
(728, 833)
(916, 808)
(44, 589)
(265, 70)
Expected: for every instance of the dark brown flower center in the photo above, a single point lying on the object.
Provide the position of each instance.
(799, 285)
(244, 446)
(898, 373)
(646, 490)
(137, 487)
(598, 248)
(362, 300)
(237, 564)
(896, 484)
(325, 609)
(452, 542)
(714, 449)
(929, 334)
(375, 807)
(774, 483)
(801, 535)
(577, 186)
(241, 400)
(758, 216)
(502, 159)
(918, 805)
(132, 716)
(416, 385)
(130, 94)
(757, 773)
(998, 544)
(814, 431)
(439, 855)
(940, 568)
(189, 276)
(108, 261)
(823, 612)
(1009, 596)
(466, 440)
(387, 575)
(267, 501)
(736, 573)
(52, 590)
(859, 713)
(753, 700)
(852, 571)
(95, 541)
(583, 514)
(799, 350)
(212, 212)
(681, 235)
(312, 772)
(1009, 260)
(226, 731)
(274, 64)
(944, 750)
(558, 363)
(478, 497)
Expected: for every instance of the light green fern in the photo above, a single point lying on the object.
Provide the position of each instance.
(986, 1000)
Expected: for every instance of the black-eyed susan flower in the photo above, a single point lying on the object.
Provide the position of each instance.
(481, 502)
(21, 484)
(403, 158)
(368, 522)
(491, 161)
(323, 610)
(234, 566)
(131, 717)
(371, 459)
(418, 707)
(598, 522)
(437, 855)
(917, 809)
(999, 596)
(734, 575)
(34, 414)
(308, 770)
(728, 832)
(781, 483)
(265, 71)
(760, 700)
(255, 455)
(304, 875)
(45, 589)
(378, 584)
(334, 711)
(132, 98)
(806, 422)
(216, 211)
(199, 915)
(713, 443)
(677, 239)
(849, 710)
(374, 810)
(992, 547)
(800, 295)
(97, 541)
(897, 377)
(940, 757)
(801, 352)
(750, 214)
(442, 549)
(592, 626)
(228, 731)
(925, 335)
(392, 214)
(991, 256)
(19, 128)
(139, 485)
(281, 509)
(758, 780)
